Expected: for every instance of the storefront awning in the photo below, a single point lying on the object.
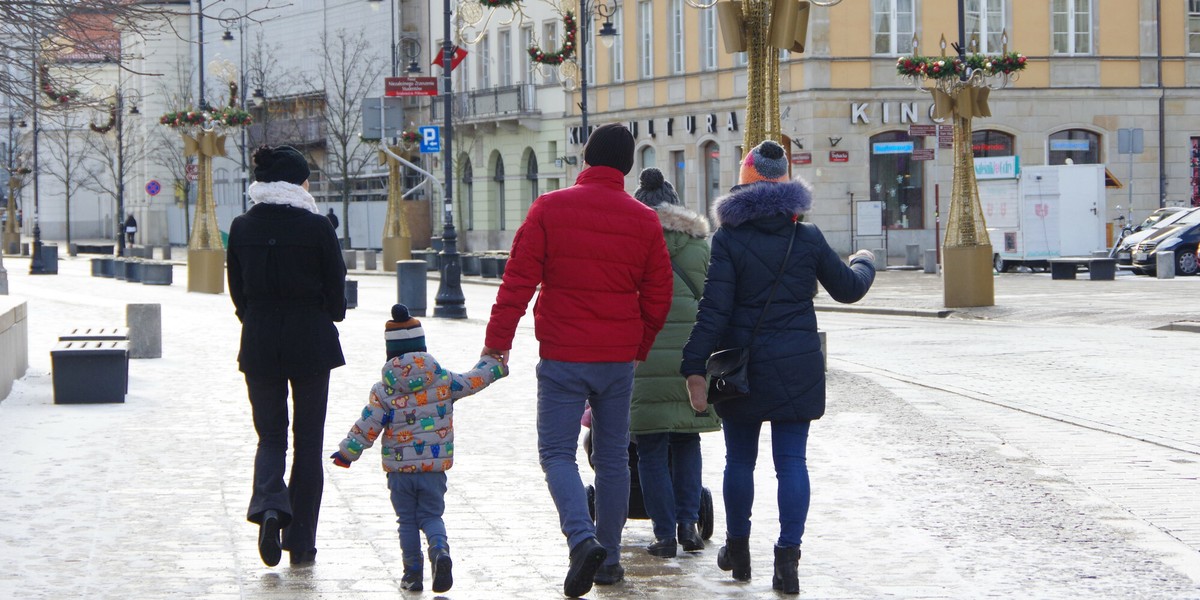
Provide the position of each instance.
(1111, 182)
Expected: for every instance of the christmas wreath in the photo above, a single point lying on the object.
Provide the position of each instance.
(230, 116)
(410, 137)
(933, 67)
(107, 127)
(538, 55)
(59, 96)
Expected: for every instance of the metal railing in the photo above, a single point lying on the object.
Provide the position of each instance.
(511, 101)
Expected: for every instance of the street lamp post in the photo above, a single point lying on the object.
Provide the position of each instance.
(449, 302)
(226, 17)
(37, 265)
(608, 35)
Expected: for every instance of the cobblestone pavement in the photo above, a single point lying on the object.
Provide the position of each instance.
(959, 459)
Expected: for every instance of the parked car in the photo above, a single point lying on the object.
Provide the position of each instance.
(1158, 220)
(1182, 238)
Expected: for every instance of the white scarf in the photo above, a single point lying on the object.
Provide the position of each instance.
(282, 192)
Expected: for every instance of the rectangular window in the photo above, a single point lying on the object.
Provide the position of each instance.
(645, 39)
(740, 60)
(985, 21)
(591, 59)
(506, 67)
(708, 39)
(526, 42)
(894, 23)
(676, 18)
(1193, 27)
(1071, 26)
(678, 174)
(617, 52)
(550, 44)
(484, 76)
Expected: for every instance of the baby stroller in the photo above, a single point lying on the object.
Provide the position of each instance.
(637, 508)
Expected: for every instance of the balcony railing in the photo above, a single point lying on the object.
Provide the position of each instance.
(494, 103)
(307, 131)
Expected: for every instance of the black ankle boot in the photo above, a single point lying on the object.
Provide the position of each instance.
(441, 566)
(786, 578)
(735, 556)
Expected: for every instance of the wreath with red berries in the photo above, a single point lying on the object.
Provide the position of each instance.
(410, 137)
(107, 127)
(59, 96)
(537, 55)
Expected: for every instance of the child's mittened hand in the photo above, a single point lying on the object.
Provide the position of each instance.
(340, 460)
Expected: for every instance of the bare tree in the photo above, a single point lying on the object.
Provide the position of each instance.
(350, 68)
(31, 32)
(266, 78)
(69, 166)
(117, 152)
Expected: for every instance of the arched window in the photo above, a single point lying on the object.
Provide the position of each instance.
(498, 179)
(647, 157)
(710, 154)
(897, 180)
(466, 194)
(1074, 146)
(531, 179)
(989, 142)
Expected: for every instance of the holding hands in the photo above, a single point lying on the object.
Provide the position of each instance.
(500, 355)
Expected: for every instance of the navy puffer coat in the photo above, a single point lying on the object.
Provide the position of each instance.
(787, 373)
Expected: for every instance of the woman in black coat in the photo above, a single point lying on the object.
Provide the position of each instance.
(760, 220)
(287, 281)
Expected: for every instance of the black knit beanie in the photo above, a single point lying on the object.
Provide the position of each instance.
(281, 163)
(610, 145)
(654, 190)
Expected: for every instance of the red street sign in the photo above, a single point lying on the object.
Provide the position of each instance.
(839, 156)
(410, 86)
(922, 130)
(945, 136)
(924, 154)
(802, 158)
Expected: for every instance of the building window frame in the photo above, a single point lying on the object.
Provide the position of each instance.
(710, 157)
(708, 39)
(483, 76)
(616, 53)
(898, 182)
(986, 21)
(1066, 37)
(894, 22)
(1068, 147)
(506, 63)
(645, 9)
(526, 43)
(1193, 27)
(992, 142)
(678, 60)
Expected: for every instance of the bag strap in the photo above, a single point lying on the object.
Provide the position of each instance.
(686, 280)
(778, 276)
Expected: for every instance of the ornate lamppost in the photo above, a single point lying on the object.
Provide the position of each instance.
(204, 135)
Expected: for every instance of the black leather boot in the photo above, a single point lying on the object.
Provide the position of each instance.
(787, 562)
(735, 556)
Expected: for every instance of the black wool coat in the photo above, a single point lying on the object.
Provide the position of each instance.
(287, 280)
(787, 373)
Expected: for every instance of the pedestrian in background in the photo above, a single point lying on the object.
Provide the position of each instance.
(666, 430)
(605, 277)
(412, 407)
(130, 227)
(288, 286)
(333, 220)
(765, 267)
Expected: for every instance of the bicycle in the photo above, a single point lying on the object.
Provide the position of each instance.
(1127, 226)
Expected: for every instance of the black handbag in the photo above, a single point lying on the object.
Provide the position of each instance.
(729, 369)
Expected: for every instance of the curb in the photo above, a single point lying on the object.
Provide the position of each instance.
(882, 310)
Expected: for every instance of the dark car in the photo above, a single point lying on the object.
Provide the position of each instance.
(1181, 238)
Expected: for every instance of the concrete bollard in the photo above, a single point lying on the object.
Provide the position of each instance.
(411, 285)
(931, 257)
(145, 330)
(369, 260)
(166, 252)
(488, 267)
(351, 258)
(1165, 266)
(912, 255)
(881, 261)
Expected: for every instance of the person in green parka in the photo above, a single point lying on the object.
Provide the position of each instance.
(662, 421)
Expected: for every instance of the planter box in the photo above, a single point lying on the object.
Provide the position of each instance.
(89, 372)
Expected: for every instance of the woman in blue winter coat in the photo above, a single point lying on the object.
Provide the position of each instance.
(759, 220)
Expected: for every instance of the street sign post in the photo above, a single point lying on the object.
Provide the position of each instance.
(382, 117)
(410, 86)
(153, 187)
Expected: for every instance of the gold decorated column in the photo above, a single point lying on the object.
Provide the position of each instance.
(206, 251)
(397, 240)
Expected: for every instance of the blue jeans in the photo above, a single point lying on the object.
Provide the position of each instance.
(563, 387)
(789, 441)
(419, 500)
(669, 471)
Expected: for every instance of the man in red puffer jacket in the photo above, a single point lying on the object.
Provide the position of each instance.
(605, 279)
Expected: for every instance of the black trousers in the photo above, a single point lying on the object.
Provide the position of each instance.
(298, 502)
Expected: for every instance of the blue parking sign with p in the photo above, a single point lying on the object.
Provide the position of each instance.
(431, 139)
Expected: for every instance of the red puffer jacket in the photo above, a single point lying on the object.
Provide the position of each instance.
(606, 277)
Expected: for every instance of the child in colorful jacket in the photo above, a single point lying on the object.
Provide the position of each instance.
(412, 409)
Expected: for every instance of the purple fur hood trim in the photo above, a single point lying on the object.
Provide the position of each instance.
(762, 199)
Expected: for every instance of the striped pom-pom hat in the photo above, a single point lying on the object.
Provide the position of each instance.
(403, 333)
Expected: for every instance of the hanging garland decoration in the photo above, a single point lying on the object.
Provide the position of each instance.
(107, 127)
(59, 96)
(934, 67)
(230, 116)
(498, 3)
(564, 54)
(410, 137)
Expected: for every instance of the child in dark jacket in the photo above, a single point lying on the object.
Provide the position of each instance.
(412, 409)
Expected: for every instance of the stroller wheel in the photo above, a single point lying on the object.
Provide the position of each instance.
(706, 513)
(591, 500)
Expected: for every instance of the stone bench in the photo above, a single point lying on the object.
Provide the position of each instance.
(1099, 269)
(89, 372)
(102, 267)
(103, 249)
(100, 334)
(155, 272)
